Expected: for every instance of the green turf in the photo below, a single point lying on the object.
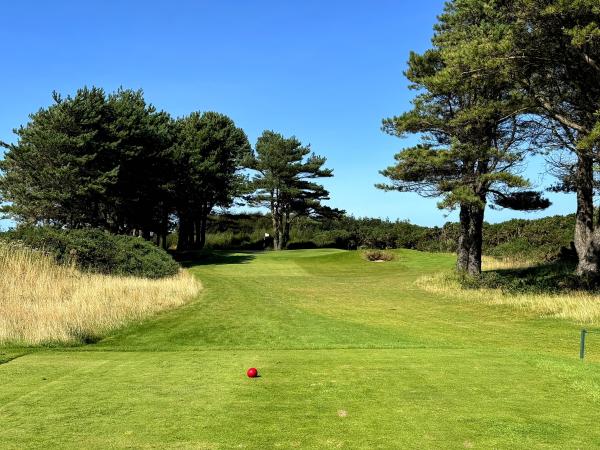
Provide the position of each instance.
(352, 355)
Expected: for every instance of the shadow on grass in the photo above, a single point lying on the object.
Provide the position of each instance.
(552, 277)
(209, 257)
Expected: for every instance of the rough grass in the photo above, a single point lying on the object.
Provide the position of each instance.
(580, 306)
(42, 302)
(491, 263)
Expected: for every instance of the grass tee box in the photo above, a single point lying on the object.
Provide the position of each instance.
(351, 355)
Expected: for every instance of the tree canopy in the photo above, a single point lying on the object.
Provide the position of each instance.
(209, 152)
(548, 50)
(116, 163)
(285, 170)
(473, 140)
(90, 160)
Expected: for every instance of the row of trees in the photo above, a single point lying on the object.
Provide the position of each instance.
(116, 163)
(503, 79)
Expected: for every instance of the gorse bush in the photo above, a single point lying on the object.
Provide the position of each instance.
(98, 251)
(552, 277)
(539, 239)
(240, 241)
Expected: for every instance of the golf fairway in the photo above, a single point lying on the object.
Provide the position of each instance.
(351, 354)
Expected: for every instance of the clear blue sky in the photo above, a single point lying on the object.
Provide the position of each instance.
(325, 71)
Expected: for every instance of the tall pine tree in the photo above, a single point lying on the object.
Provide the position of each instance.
(284, 182)
(471, 143)
(550, 51)
(208, 154)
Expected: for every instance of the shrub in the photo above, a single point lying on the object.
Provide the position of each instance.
(333, 238)
(297, 245)
(378, 255)
(554, 277)
(98, 251)
(228, 240)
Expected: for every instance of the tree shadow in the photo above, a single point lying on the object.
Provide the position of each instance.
(550, 277)
(209, 258)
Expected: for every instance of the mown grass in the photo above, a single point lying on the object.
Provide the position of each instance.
(42, 302)
(351, 354)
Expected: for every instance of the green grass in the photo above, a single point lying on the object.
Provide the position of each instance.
(352, 355)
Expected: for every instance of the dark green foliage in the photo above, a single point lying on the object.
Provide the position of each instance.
(337, 238)
(240, 232)
(208, 153)
(114, 162)
(238, 223)
(522, 201)
(536, 240)
(90, 161)
(539, 240)
(285, 170)
(298, 245)
(98, 251)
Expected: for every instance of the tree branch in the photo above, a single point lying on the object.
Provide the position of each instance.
(562, 119)
(591, 62)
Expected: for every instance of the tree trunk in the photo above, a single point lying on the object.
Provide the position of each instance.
(585, 245)
(185, 230)
(164, 231)
(476, 239)
(276, 217)
(277, 235)
(462, 250)
(286, 230)
(201, 232)
(196, 235)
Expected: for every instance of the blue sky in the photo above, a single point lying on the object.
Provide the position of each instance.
(325, 71)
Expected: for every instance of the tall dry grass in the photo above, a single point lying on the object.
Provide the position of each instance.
(579, 306)
(43, 302)
(491, 263)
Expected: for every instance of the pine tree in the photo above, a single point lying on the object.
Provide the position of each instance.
(285, 170)
(91, 160)
(208, 154)
(550, 50)
(60, 168)
(471, 143)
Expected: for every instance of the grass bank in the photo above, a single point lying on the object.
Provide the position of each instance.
(42, 302)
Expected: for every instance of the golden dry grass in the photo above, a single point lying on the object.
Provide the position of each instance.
(42, 302)
(491, 263)
(579, 306)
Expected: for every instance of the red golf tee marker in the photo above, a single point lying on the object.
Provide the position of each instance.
(252, 372)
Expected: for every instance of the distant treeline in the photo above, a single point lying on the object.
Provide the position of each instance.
(540, 239)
